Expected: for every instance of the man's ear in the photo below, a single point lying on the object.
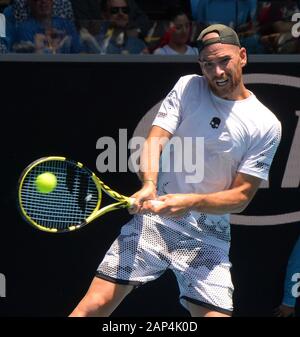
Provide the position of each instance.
(243, 56)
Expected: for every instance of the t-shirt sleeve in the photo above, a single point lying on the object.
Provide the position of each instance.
(168, 115)
(159, 51)
(258, 159)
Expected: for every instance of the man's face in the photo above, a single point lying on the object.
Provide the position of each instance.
(118, 11)
(41, 8)
(222, 65)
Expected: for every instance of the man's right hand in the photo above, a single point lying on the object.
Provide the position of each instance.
(147, 192)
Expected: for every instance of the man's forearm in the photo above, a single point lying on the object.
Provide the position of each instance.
(229, 201)
(150, 155)
(149, 164)
(233, 200)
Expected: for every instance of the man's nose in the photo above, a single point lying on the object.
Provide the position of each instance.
(219, 71)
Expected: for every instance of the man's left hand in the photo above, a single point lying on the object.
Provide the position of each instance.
(172, 205)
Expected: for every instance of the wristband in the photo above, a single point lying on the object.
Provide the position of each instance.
(149, 180)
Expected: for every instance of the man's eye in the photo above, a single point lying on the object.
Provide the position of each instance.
(226, 60)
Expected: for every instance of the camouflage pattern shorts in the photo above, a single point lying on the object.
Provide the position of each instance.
(146, 248)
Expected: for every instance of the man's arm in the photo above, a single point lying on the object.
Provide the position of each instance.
(152, 148)
(149, 166)
(233, 200)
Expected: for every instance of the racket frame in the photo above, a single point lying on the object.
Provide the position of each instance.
(122, 201)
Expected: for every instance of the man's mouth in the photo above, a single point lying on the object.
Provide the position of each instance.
(221, 83)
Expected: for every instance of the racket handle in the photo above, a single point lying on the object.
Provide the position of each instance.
(131, 202)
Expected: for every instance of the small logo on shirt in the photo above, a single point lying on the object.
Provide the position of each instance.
(162, 114)
(215, 122)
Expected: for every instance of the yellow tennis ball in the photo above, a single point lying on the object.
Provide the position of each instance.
(46, 182)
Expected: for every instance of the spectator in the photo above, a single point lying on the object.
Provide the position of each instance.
(10, 25)
(234, 13)
(86, 9)
(287, 307)
(88, 14)
(178, 35)
(61, 8)
(115, 35)
(44, 33)
(239, 14)
(2, 25)
(276, 25)
(3, 43)
(138, 19)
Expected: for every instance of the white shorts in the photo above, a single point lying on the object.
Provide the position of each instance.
(145, 249)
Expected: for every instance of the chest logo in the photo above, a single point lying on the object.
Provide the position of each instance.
(215, 122)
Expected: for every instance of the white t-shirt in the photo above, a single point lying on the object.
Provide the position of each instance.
(239, 136)
(167, 50)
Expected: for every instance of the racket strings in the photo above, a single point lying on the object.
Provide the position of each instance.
(69, 204)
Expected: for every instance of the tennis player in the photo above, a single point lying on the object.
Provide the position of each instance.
(189, 232)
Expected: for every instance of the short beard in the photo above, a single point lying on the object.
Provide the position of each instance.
(229, 90)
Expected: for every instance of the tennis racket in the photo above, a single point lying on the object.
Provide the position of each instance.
(73, 203)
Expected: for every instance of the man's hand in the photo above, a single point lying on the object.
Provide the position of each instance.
(147, 192)
(172, 205)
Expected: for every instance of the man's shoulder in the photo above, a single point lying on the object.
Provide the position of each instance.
(193, 77)
(265, 113)
(263, 118)
(191, 80)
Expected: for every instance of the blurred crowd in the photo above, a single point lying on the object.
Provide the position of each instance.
(160, 27)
